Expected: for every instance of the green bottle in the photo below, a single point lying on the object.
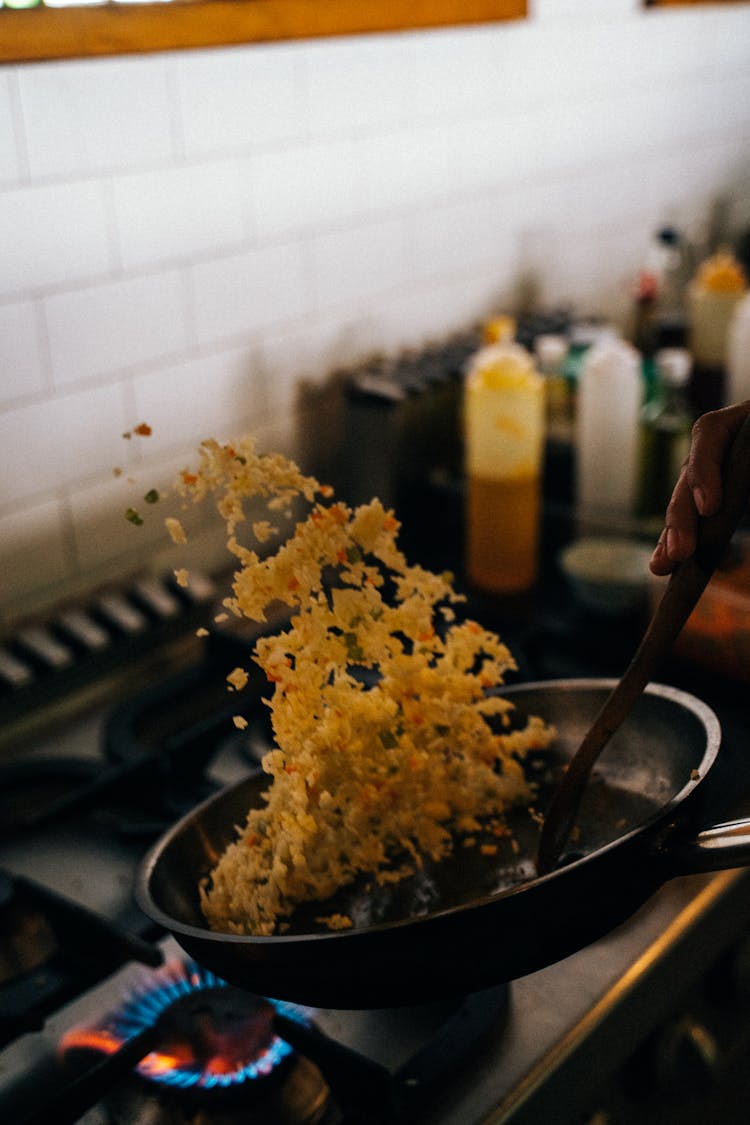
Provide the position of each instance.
(665, 424)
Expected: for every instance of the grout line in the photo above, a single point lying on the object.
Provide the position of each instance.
(19, 129)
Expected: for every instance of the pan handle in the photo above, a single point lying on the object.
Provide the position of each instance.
(713, 849)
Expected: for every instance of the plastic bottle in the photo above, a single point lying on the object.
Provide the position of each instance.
(610, 394)
(504, 428)
(738, 353)
(666, 422)
(584, 335)
(713, 295)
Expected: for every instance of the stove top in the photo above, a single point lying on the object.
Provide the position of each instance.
(88, 789)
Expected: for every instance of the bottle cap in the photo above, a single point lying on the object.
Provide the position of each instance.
(674, 366)
(550, 349)
(499, 330)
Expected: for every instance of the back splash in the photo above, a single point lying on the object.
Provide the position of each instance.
(197, 240)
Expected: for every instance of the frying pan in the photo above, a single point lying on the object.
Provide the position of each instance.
(473, 920)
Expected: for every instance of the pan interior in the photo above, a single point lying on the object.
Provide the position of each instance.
(647, 766)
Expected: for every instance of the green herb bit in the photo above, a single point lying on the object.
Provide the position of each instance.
(152, 496)
(388, 739)
(132, 516)
(353, 647)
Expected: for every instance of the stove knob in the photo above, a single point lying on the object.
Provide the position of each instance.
(686, 1058)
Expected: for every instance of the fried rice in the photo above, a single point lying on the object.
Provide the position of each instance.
(390, 743)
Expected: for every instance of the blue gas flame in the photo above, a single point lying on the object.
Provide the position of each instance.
(169, 984)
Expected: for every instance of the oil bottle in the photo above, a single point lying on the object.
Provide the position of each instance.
(504, 429)
(665, 425)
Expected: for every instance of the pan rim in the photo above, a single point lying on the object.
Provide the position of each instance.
(701, 710)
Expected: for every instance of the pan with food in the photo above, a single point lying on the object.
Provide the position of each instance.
(480, 916)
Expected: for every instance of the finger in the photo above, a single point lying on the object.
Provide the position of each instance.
(711, 437)
(660, 564)
(681, 520)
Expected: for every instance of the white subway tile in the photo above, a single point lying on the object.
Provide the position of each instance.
(459, 72)
(598, 196)
(301, 187)
(83, 117)
(403, 168)
(443, 162)
(240, 98)
(429, 312)
(32, 550)
(108, 327)
(720, 106)
(506, 149)
(10, 162)
(171, 214)
(59, 441)
(51, 235)
(353, 265)
(212, 396)
(358, 83)
(236, 295)
(609, 10)
(729, 38)
(309, 353)
(455, 238)
(21, 362)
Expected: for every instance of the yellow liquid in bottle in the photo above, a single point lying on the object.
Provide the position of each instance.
(503, 533)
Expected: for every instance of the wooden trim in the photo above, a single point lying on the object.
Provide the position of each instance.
(684, 3)
(117, 29)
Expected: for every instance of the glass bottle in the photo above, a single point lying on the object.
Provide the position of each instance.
(665, 426)
(550, 351)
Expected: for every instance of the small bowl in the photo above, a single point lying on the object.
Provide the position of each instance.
(607, 575)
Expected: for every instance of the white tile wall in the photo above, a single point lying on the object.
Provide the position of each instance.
(10, 158)
(88, 117)
(173, 214)
(53, 235)
(240, 295)
(23, 372)
(185, 237)
(105, 328)
(209, 395)
(238, 100)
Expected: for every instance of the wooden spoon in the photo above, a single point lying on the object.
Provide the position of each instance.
(685, 587)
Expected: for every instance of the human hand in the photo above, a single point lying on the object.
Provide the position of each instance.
(698, 488)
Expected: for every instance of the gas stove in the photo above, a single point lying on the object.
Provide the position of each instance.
(112, 733)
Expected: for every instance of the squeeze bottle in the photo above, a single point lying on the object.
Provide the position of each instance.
(504, 429)
(610, 393)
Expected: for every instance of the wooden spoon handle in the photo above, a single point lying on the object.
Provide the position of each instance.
(685, 587)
